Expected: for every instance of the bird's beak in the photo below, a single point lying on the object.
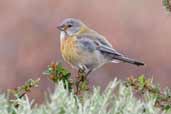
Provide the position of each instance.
(62, 27)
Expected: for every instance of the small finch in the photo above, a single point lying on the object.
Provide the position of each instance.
(85, 49)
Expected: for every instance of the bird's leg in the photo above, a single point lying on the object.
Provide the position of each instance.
(87, 73)
(82, 74)
(85, 80)
(78, 80)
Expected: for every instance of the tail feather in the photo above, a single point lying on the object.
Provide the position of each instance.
(128, 60)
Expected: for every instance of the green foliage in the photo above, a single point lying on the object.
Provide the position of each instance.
(20, 91)
(145, 86)
(116, 99)
(133, 96)
(167, 5)
(56, 72)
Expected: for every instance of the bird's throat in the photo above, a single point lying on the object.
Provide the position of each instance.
(62, 36)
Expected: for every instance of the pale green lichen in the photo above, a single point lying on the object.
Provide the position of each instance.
(116, 99)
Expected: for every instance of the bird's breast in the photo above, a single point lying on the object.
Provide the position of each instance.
(69, 51)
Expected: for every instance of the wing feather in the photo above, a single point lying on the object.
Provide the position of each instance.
(90, 43)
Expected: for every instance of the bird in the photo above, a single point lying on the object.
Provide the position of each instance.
(87, 50)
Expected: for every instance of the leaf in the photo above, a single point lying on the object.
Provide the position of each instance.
(167, 108)
(141, 81)
(167, 4)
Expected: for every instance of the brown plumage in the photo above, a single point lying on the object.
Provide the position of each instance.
(86, 49)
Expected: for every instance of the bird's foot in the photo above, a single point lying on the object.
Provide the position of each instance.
(81, 81)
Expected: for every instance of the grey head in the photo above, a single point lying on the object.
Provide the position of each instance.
(70, 26)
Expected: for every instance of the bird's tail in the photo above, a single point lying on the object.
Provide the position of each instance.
(128, 60)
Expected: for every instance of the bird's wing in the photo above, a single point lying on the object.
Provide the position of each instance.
(109, 50)
(103, 41)
(86, 44)
(91, 42)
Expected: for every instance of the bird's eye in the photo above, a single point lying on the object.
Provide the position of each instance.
(69, 25)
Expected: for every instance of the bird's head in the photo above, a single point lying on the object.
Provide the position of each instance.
(71, 26)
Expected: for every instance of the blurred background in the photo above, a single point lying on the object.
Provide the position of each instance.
(29, 40)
